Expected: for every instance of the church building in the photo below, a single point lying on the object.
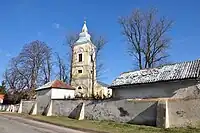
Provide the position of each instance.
(84, 68)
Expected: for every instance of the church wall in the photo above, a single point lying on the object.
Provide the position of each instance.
(153, 90)
(137, 112)
(102, 91)
(182, 113)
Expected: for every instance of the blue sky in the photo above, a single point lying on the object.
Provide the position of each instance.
(22, 21)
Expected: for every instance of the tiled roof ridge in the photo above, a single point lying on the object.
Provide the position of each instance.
(54, 84)
(161, 66)
(175, 71)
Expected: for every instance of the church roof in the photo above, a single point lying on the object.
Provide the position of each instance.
(55, 84)
(178, 71)
(84, 36)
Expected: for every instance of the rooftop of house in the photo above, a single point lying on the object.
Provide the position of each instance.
(176, 71)
(2, 96)
(55, 84)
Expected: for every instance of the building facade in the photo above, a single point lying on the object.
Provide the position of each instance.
(84, 67)
(180, 80)
(55, 90)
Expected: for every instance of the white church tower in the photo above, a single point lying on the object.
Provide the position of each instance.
(84, 67)
(83, 60)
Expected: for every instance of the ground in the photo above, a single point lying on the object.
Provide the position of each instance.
(13, 124)
(83, 125)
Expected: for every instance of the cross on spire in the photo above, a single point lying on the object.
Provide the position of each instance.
(84, 29)
(84, 36)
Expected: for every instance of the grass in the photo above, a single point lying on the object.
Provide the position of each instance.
(106, 126)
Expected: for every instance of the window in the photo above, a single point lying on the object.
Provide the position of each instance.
(91, 58)
(79, 88)
(79, 71)
(80, 58)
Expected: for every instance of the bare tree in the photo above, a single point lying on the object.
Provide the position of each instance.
(16, 78)
(11, 78)
(99, 42)
(33, 57)
(47, 66)
(62, 68)
(70, 40)
(146, 36)
(29, 68)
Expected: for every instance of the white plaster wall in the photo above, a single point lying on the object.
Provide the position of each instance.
(62, 93)
(154, 90)
(106, 91)
(1, 100)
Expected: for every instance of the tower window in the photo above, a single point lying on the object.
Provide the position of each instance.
(79, 88)
(79, 71)
(91, 58)
(80, 58)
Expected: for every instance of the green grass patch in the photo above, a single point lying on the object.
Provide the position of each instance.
(106, 126)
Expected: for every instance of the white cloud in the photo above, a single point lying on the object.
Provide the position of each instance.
(56, 25)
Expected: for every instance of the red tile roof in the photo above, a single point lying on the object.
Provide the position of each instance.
(60, 84)
(56, 84)
(2, 96)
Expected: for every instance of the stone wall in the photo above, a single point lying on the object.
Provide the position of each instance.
(3, 107)
(10, 108)
(27, 106)
(43, 101)
(133, 111)
(163, 112)
(183, 113)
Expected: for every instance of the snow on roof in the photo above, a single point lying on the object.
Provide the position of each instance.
(184, 70)
(55, 84)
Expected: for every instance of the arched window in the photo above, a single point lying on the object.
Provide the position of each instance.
(80, 54)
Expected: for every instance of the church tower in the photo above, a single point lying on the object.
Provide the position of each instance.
(84, 64)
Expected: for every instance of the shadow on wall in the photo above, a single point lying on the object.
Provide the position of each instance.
(76, 111)
(46, 109)
(144, 118)
(31, 111)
